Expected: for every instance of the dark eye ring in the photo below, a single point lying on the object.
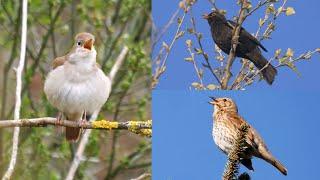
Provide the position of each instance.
(79, 43)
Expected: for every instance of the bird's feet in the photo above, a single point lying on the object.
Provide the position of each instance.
(59, 118)
(83, 120)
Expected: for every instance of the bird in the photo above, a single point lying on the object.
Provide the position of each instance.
(76, 85)
(227, 123)
(247, 47)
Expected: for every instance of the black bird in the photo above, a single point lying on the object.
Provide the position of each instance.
(248, 46)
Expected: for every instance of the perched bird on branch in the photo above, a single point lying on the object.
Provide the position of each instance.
(248, 46)
(227, 123)
(76, 85)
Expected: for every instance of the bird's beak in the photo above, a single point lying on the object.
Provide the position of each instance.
(88, 44)
(213, 102)
(205, 16)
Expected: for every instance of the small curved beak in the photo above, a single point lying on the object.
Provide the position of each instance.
(205, 16)
(213, 102)
(88, 44)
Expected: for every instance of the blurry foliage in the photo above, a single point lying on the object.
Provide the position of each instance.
(52, 25)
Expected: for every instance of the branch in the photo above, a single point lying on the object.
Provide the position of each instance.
(234, 42)
(132, 126)
(204, 54)
(232, 167)
(118, 63)
(143, 176)
(161, 62)
(19, 70)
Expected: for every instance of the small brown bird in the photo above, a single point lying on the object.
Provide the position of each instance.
(227, 123)
(76, 85)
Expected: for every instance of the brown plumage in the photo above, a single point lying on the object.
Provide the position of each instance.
(227, 123)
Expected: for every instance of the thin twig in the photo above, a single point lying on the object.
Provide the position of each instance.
(205, 55)
(161, 68)
(19, 70)
(158, 35)
(143, 176)
(199, 75)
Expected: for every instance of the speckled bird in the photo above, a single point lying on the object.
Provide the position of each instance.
(227, 123)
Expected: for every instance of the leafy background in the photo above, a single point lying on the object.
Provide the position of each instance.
(52, 25)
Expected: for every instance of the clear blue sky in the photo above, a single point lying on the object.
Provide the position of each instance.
(299, 32)
(183, 147)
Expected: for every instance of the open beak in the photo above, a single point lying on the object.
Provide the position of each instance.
(88, 44)
(205, 16)
(213, 102)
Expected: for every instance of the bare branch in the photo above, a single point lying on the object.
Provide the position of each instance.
(204, 54)
(118, 63)
(99, 124)
(234, 42)
(160, 69)
(19, 70)
(144, 176)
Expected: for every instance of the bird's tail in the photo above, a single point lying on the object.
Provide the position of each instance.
(268, 71)
(273, 161)
(73, 134)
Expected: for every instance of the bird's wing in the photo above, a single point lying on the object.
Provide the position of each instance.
(58, 61)
(237, 121)
(246, 34)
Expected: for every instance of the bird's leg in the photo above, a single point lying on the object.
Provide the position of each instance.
(83, 119)
(59, 118)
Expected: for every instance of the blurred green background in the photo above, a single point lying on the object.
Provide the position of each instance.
(43, 152)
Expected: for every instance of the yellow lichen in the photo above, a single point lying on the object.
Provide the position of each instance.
(133, 127)
(105, 124)
(146, 132)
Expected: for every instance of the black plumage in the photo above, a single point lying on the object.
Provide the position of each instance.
(248, 46)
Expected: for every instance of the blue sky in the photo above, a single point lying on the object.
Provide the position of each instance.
(183, 147)
(299, 32)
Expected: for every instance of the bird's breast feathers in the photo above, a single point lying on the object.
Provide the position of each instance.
(71, 90)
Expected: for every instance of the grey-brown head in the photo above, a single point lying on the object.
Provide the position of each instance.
(84, 40)
(83, 50)
(215, 17)
(224, 104)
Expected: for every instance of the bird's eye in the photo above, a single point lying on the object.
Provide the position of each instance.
(79, 43)
(224, 100)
